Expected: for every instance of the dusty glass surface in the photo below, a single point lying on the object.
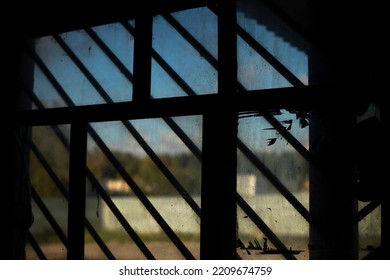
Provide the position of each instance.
(155, 162)
(49, 171)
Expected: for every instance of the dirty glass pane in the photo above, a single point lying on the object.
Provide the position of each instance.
(49, 168)
(181, 56)
(74, 65)
(133, 169)
(277, 39)
(204, 29)
(369, 232)
(254, 72)
(260, 190)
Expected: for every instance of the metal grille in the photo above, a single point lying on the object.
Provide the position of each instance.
(83, 127)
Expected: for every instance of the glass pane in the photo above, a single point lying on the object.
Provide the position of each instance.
(369, 232)
(157, 163)
(181, 56)
(49, 169)
(273, 156)
(74, 65)
(277, 39)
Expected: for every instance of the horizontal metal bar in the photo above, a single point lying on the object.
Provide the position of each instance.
(53, 23)
(303, 98)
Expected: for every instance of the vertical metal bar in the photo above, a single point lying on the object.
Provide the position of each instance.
(332, 203)
(219, 159)
(77, 190)
(385, 209)
(142, 56)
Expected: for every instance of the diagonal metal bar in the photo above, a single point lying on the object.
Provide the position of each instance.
(95, 183)
(122, 220)
(49, 217)
(191, 40)
(290, 138)
(279, 67)
(141, 196)
(34, 244)
(132, 129)
(145, 201)
(110, 54)
(184, 138)
(294, 25)
(263, 227)
(276, 182)
(365, 211)
(49, 75)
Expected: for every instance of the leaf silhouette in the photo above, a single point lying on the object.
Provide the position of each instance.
(271, 141)
(289, 122)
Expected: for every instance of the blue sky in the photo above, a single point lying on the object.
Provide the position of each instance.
(253, 72)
